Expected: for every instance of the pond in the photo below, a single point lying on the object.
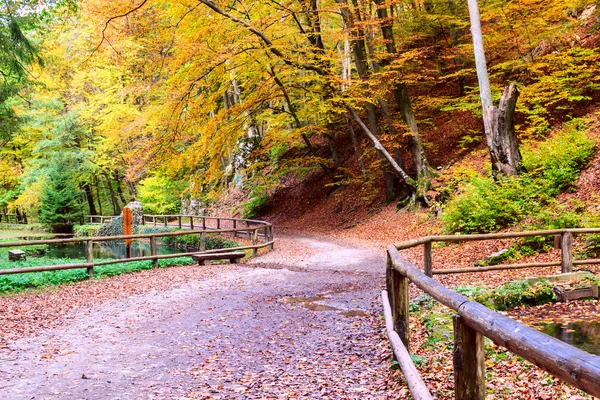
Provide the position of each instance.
(584, 335)
(105, 250)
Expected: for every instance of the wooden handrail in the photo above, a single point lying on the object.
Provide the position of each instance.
(562, 360)
(565, 236)
(90, 264)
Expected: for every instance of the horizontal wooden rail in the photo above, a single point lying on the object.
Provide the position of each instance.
(266, 227)
(562, 360)
(562, 236)
(413, 379)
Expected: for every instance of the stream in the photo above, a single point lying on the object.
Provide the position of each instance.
(584, 335)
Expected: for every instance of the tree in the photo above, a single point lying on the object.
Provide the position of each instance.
(61, 208)
(499, 123)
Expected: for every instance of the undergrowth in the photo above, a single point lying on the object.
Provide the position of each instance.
(552, 167)
(19, 282)
(193, 242)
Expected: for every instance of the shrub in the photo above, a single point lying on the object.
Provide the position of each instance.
(553, 166)
(514, 294)
(252, 207)
(193, 242)
(86, 230)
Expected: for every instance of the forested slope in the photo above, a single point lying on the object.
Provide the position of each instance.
(351, 102)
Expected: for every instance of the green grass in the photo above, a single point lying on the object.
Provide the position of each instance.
(31, 280)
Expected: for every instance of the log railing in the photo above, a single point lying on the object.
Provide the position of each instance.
(474, 321)
(13, 218)
(265, 229)
(184, 221)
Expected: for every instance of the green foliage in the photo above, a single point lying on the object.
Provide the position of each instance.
(591, 246)
(193, 242)
(160, 195)
(19, 282)
(515, 293)
(257, 202)
(86, 230)
(560, 81)
(553, 166)
(60, 209)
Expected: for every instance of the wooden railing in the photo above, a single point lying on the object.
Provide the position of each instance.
(474, 321)
(258, 229)
(183, 221)
(13, 218)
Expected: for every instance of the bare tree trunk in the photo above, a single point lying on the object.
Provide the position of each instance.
(498, 123)
(359, 155)
(380, 148)
(89, 195)
(402, 99)
(505, 154)
(113, 197)
(96, 181)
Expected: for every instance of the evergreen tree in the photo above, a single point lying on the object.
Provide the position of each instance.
(60, 208)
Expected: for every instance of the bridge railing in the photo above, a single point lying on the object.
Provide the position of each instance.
(474, 321)
(257, 231)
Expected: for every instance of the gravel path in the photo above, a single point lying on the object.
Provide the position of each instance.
(299, 322)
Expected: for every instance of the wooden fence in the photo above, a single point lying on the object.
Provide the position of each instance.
(13, 218)
(474, 321)
(183, 221)
(255, 230)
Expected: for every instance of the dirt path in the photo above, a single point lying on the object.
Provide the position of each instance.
(299, 322)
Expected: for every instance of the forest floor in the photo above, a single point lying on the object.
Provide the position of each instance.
(299, 322)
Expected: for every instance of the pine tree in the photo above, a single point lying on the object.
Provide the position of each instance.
(60, 208)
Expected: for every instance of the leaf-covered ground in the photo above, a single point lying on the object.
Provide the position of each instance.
(300, 322)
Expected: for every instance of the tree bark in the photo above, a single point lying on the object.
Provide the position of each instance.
(498, 123)
(89, 195)
(504, 151)
(113, 197)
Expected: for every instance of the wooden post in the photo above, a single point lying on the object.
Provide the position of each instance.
(234, 227)
(191, 222)
(90, 258)
(203, 241)
(469, 362)
(203, 223)
(179, 220)
(153, 250)
(165, 217)
(567, 253)
(557, 241)
(254, 243)
(271, 237)
(400, 307)
(218, 223)
(428, 266)
(154, 220)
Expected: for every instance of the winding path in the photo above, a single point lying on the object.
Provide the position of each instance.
(299, 322)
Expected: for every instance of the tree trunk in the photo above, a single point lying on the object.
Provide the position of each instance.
(113, 197)
(96, 181)
(89, 195)
(504, 151)
(117, 179)
(403, 100)
(359, 155)
(498, 123)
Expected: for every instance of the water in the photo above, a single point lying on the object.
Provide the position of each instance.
(104, 250)
(581, 334)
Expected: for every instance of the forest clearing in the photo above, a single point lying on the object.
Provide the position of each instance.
(299, 199)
